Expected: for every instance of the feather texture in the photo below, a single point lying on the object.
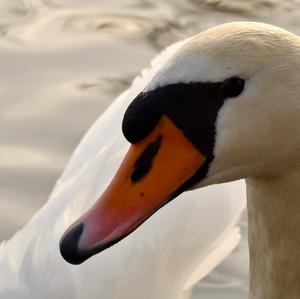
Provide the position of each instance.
(164, 257)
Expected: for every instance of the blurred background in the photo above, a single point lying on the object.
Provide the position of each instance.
(63, 61)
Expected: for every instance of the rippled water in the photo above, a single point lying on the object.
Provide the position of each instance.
(63, 61)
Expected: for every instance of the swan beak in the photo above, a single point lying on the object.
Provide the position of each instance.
(148, 178)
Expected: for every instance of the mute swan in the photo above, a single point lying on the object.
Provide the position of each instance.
(225, 106)
(162, 259)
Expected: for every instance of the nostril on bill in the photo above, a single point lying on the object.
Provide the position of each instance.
(144, 162)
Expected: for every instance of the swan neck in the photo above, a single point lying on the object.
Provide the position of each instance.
(274, 236)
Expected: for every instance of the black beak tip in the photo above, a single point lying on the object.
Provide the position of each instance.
(69, 246)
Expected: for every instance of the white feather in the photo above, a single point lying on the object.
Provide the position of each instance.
(167, 255)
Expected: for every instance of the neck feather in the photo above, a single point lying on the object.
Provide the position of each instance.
(274, 236)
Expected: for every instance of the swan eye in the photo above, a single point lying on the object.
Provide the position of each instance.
(233, 87)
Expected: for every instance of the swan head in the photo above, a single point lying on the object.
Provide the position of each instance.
(225, 106)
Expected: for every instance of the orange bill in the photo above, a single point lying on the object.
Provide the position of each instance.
(153, 169)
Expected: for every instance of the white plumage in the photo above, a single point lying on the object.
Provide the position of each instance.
(164, 257)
